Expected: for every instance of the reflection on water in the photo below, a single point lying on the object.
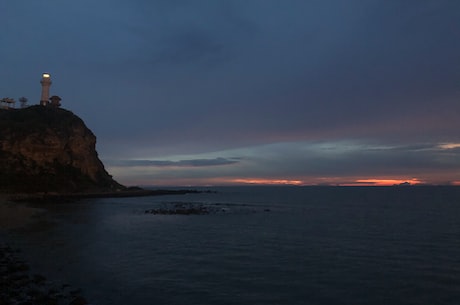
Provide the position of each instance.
(274, 246)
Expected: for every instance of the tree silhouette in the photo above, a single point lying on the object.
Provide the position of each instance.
(23, 101)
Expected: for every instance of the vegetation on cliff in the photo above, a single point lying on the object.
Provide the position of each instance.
(46, 149)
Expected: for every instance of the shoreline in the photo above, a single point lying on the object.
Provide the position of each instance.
(15, 211)
(66, 197)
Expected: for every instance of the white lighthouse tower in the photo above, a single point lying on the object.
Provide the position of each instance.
(46, 83)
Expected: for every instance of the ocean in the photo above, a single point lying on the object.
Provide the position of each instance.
(255, 246)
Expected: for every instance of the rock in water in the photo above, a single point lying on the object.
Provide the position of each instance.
(46, 149)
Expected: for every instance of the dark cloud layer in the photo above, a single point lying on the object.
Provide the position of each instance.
(180, 163)
(156, 79)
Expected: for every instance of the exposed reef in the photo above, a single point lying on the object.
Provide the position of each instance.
(48, 149)
(197, 208)
(182, 209)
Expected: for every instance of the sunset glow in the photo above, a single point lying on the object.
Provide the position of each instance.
(386, 182)
(449, 145)
(359, 182)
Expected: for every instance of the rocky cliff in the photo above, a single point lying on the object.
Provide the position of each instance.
(46, 149)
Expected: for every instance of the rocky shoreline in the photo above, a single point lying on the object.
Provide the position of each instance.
(20, 287)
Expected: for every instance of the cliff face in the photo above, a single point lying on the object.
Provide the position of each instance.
(45, 149)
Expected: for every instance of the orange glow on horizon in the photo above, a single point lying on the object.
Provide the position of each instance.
(384, 182)
(449, 145)
(297, 181)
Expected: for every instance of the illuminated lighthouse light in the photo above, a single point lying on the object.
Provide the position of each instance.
(46, 83)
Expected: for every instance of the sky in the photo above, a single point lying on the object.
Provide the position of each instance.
(207, 92)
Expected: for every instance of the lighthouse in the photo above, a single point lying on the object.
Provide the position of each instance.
(46, 83)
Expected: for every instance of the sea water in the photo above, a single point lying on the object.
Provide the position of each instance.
(258, 245)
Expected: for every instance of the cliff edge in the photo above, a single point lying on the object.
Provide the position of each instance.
(47, 149)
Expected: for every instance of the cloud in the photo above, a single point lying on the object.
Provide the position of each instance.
(180, 163)
(341, 162)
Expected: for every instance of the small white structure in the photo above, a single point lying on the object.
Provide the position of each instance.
(46, 83)
(7, 103)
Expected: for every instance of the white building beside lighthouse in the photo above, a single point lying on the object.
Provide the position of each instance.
(46, 84)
